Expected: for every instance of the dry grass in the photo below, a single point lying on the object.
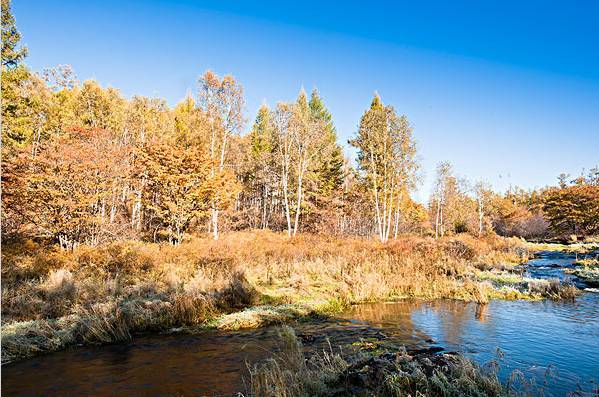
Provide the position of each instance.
(553, 289)
(588, 246)
(53, 298)
(289, 373)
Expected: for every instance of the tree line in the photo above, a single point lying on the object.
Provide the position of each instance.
(571, 208)
(81, 164)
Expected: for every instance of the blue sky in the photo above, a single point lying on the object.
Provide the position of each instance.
(507, 91)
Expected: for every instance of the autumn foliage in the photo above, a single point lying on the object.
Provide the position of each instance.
(84, 165)
(68, 190)
(178, 188)
(574, 209)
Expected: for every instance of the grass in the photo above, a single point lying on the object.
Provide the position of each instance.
(575, 248)
(589, 274)
(553, 289)
(52, 299)
(587, 270)
(526, 287)
(588, 262)
(290, 373)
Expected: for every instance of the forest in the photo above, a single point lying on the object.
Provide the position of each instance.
(82, 164)
(122, 215)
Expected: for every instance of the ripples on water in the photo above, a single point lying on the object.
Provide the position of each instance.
(532, 336)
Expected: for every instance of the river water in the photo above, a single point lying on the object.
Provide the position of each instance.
(559, 339)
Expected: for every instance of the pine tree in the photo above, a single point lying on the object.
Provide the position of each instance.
(16, 107)
(330, 172)
(11, 55)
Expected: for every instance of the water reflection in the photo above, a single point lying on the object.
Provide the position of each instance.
(481, 312)
(533, 336)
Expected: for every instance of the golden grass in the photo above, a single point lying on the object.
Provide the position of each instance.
(584, 247)
(54, 298)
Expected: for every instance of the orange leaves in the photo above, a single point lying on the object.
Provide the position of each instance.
(574, 209)
(179, 185)
(64, 189)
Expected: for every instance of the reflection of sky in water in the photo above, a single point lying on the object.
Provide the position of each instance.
(530, 335)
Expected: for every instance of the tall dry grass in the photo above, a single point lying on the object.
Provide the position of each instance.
(53, 298)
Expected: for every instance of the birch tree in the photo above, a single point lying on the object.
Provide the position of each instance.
(386, 157)
(308, 137)
(439, 199)
(221, 101)
(482, 194)
(284, 144)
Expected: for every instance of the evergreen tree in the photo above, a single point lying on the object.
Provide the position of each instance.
(16, 109)
(11, 54)
(261, 134)
(330, 172)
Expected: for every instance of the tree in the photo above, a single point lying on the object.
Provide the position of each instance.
(386, 156)
(518, 212)
(190, 125)
(146, 118)
(25, 98)
(64, 192)
(308, 141)
(221, 101)
(439, 199)
(179, 188)
(563, 179)
(450, 205)
(12, 56)
(482, 193)
(95, 107)
(330, 169)
(261, 168)
(27, 105)
(593, 176)
(283, 155)
(326, 179)
(574, 209)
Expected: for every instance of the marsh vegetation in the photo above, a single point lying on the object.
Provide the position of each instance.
(54, 298)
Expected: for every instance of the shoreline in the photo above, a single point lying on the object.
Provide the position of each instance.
(279, 291)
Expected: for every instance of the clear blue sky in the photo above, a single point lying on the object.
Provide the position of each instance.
(507, 91)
